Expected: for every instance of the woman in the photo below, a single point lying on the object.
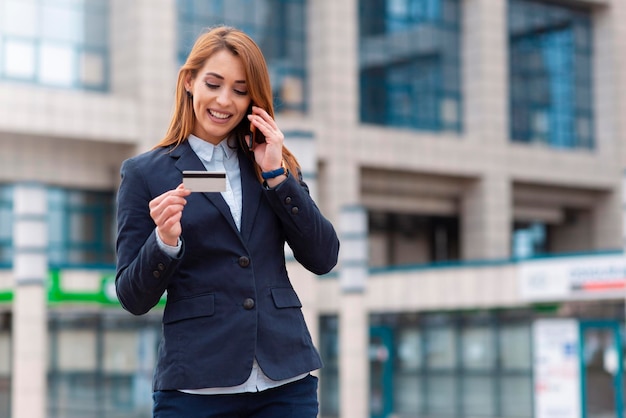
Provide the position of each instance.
(235, 343)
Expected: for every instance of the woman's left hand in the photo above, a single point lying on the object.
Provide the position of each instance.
(269, 155)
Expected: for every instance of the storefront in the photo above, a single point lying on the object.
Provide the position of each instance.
(99, 357)
(559, 354)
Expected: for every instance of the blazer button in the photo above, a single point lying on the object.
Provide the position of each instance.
(295, 210)
(287, 200)
(248, 303)
(244, 261)
(161, 266)
(156, 273)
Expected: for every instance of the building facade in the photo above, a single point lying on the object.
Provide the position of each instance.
(469, 152)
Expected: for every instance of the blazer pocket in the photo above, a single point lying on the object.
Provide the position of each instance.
(187, 308)
(285, 297)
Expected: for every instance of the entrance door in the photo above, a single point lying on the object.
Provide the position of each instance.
(602, 369)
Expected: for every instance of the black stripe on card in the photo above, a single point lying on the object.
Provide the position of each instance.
(203, 175)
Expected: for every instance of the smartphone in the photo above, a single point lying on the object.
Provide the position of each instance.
(255, 135)
(204, 181)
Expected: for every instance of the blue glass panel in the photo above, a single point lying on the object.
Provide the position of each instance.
(80, 227)
(529, 240)
(6, 224)
(329, 350)
(410, 64)
(550, 74)
(61, 24)
(279, 28)
(57, 63)
(61, 43)
(21, 18)
(19, 59)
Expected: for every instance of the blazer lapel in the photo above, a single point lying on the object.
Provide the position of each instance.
(188, 160)
(251, 191)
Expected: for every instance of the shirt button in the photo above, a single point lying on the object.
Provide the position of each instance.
(287, 200)
(161, 266)
(156, 273)
(294, 210)
(248, 303)
(244, 261)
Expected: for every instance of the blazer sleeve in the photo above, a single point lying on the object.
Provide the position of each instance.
(309, 234)
(143, 269)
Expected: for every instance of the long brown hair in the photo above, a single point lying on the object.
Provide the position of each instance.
(257, 79)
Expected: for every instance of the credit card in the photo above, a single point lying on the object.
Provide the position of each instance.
(205, 181)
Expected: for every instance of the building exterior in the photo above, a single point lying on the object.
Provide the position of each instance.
(469, 152)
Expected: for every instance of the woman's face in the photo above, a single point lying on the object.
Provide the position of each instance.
(220, 96)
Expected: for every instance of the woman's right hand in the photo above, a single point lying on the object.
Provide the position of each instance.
(166, 210)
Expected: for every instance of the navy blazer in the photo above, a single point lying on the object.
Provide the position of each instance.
(229, 297)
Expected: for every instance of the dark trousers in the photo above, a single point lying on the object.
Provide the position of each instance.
(293, 400)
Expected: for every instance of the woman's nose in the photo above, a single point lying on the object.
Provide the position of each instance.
(223, 97)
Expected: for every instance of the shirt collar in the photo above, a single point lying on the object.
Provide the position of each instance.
(205, 149)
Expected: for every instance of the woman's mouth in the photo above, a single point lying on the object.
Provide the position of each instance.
(219, 115)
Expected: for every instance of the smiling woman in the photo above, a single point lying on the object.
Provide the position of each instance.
(233, 322)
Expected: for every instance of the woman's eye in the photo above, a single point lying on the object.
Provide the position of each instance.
(212, 86)
(241, 93)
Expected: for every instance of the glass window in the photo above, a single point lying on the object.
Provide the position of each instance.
(478, 398)
(20, 17)
(60, 23)
(19, 59)
(477, 345)
(329, 375)
(550, 74)
(516, 363)
(76, 350)
(101, 364)
(457, 364)
(516, 396)
(57, 64)
(441, 390)
(6, 224)
(441, 348)
(408, 383)
(80, 227)
(409, 346)
(61, 43)
(408, 394)
(410, 64)
(401, 239)
(120, 351)
(278, 27)
(529, 239)
(515, 347)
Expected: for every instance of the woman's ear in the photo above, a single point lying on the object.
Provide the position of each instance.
(188, 84)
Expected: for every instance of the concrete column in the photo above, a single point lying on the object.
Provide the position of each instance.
(30, 271)
(486, 216)
(145, 63)
(605, 218)
(353, 320)
(485, 73)
(333, 55)
(486, 207)
(609, 88)
(608, 79)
